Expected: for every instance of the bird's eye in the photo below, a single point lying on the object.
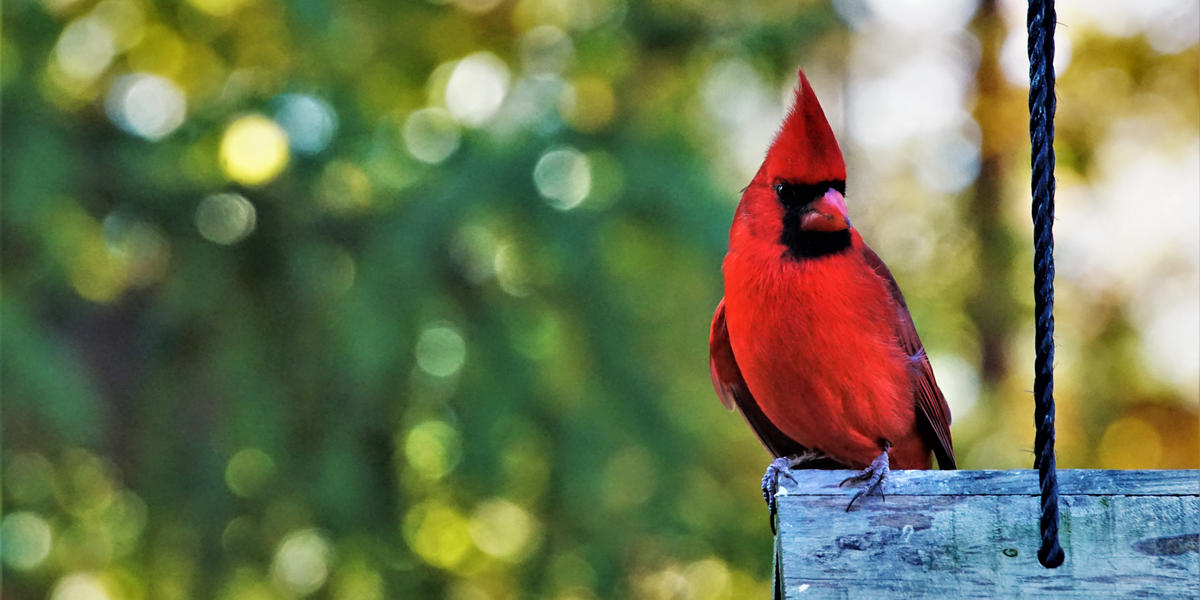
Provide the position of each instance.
(785, 193)
(790, 194)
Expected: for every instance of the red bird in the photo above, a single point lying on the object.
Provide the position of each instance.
(813, 341)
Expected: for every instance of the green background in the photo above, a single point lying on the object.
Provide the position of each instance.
(463, 354)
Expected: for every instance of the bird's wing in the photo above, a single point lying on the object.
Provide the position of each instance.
(933, 414)
(732, 390)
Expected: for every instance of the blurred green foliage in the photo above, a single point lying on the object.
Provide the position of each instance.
(376, 300)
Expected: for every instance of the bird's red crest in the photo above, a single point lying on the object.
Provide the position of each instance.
(805, 150)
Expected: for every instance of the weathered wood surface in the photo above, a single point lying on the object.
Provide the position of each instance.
(974, 534)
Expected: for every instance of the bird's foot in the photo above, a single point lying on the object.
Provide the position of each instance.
(875, 478)
(781, 467)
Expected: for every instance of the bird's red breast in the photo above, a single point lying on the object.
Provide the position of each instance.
(814, 333)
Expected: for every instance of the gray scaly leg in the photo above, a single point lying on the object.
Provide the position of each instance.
(875, 477)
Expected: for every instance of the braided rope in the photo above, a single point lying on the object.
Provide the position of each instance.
(1041, 22)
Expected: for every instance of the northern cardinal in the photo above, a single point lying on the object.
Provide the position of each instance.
(813, 341)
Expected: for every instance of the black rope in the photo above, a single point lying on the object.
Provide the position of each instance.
(1041, 22)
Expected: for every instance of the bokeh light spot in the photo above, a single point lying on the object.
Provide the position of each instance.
(146, 105)
(665, 583)
(906, 14)
(246, 584)
(79, 586)
(323, 270)
(27, 540)
(737, 99)
(302, 562)
(85, 49)
(915, 101)
(1168, 315)
(960, 382)
(474, 250)
(950, 161)
(85, 543)
(433, 449)
(441, 351)
(83, 485)
(124, 19)
(160, 51)
(476, 6)
(476, 88)
(1130, 443)
(431, 135)
(249, 471)
(571, 569)
(629, 478)
(125, 520)
(225, 218)
(528, 14)
(28, 477)
(239, 533)
(608, 180)
(218, 8)
(563, 177)
(310, 122)
(95, 273)
(59, 7)
(503, 529)
(344, 187)
(708, 579)
(510, 271)
(140, 247)
(254, 150)
(438, 533)
(546, 50)
(358, 582)
(589, 105)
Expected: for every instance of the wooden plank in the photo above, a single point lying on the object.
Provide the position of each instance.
(973, 534)
(1013, 483)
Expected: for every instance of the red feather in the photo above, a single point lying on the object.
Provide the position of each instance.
(732, 391)
(818, 349)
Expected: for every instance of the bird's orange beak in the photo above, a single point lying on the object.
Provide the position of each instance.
(827, 213)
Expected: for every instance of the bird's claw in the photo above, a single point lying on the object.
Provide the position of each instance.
(780, 467)
(875, 477)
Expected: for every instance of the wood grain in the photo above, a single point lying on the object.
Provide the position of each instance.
(973, 534)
